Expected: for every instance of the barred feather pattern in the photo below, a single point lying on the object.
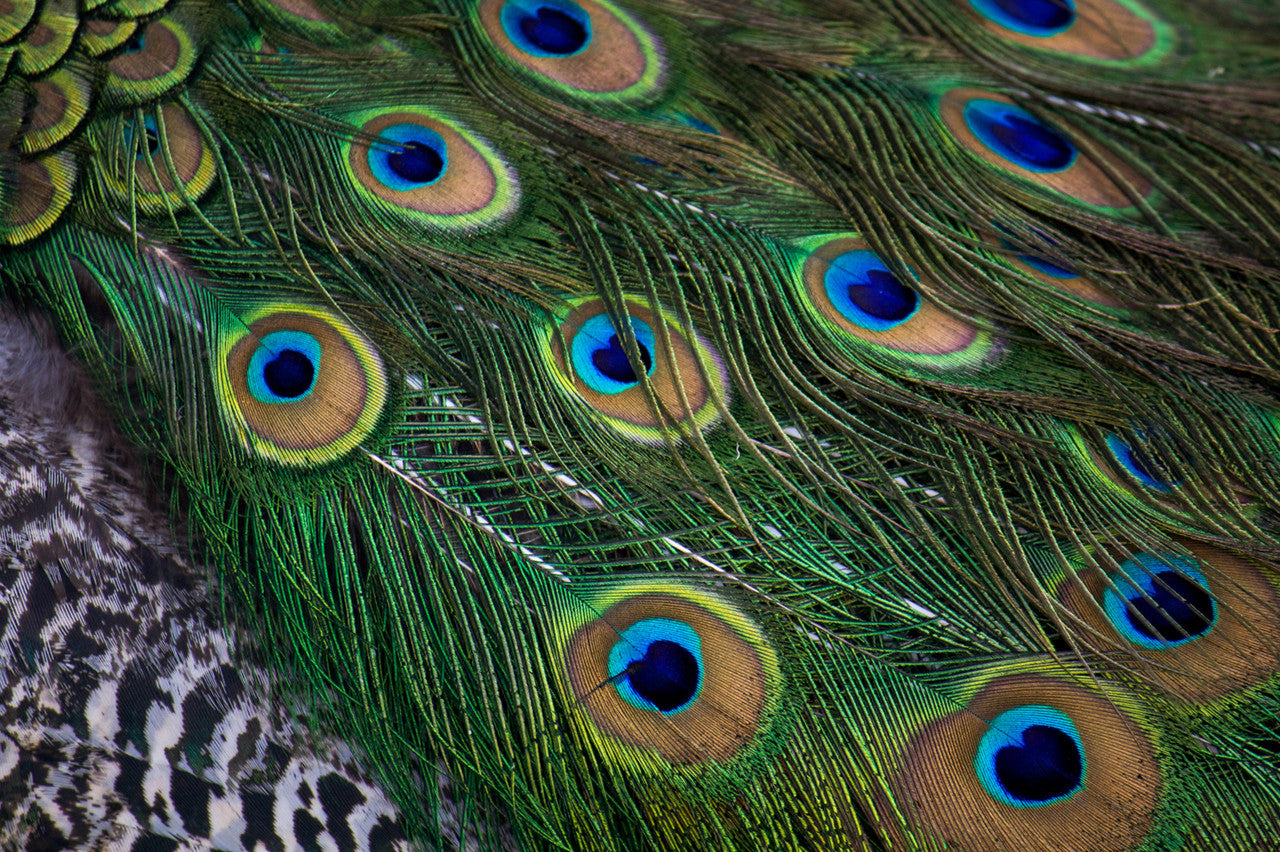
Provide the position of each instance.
(130, 719)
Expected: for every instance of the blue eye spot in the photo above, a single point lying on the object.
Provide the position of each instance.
(1030, 17)
(1163, 601)
(866, 293)
(408, 156)
(284, 367)
(1031, 756)
(656, 664)
(547, 27)
(1018, 136)
(1142, 464)
(598, 356)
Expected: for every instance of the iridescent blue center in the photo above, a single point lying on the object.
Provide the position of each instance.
(1142, 463)
(284, 367)
(600, 359)
(416, 163)
(1030, 17)
(863, 290)
(1163, 601)
(656, 664)
(1031, 756)
(408, 156)
(1018, 136)
(547, 27)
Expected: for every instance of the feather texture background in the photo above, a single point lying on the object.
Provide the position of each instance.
(681, 425)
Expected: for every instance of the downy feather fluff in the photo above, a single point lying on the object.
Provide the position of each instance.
(689, 424)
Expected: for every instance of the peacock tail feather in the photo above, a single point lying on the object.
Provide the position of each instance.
(684, 424)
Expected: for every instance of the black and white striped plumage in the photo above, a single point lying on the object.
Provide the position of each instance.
(129, 719)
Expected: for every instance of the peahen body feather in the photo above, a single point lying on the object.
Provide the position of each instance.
(653, 424)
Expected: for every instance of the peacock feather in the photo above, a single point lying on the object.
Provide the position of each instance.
(653, 424)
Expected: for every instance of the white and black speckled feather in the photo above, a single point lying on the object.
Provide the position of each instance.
(129, 719)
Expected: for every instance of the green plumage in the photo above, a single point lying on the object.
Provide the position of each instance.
(706, 425)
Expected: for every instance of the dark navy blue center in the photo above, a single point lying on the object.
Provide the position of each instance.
(551, 28)
(1019, 136)
(1038, 18)
(1041, 14)
(416, 162)
(883, 296)
(666, 676)
(1174, 609)
(1046, 765)
(289, 374)
(1034, 142)
(612, 361)
(866, 293)
(553, 31)
(1160, 600)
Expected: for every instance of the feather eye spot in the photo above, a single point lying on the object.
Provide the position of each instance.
(1161, 606)
(1037, 753)
(41, 191)
(134, 43)
(851, 290)
(1060, 275)
(1107, 31)
(171, 163)
(991, 127)
(1032, 17)
(152, 61)
(429, 170)
(60, 104)
(99, 37)
(547, 27)
(1030, 757)
(419, 163)
(1160, 601)
(1047, 267)
(408, 156)
(670, 670)
(589, 49)
(299, 385)
(1018, 136)
(675, 382)
(656, 664)
(150, 144)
